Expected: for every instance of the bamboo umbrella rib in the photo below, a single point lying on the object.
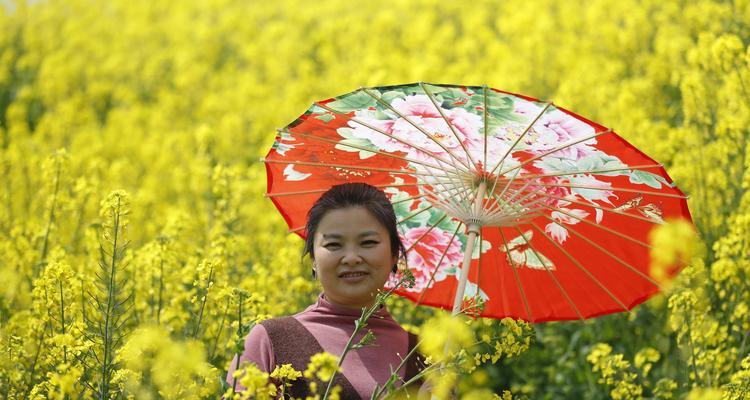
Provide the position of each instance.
(515, 275)
(407, 199)
(507, 184)
(297, 229)
(448, 195)
(613, 189)
(447, 190)
(555, 150)
(414, 214)
(450, 125)
(593, 205)
(314, 191)
(515, 143)
(581, 267)
(351, 167)
(607, 252)
(440, 261)
(505, 188)
(479, 261)
(518, 139)
(500, 208)
(551, 275)
(484, 92)
(461, 183)
(520, 209)
(383, 153)
(622, 235)
(411, 246)
(419, 128)
(638, 167)
(382, 132)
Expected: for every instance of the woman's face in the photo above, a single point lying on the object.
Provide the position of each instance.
(352, 252)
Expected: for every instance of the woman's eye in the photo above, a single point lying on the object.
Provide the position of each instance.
(331, 245)
(369, 243)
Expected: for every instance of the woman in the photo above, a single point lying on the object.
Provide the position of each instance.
(354, 245)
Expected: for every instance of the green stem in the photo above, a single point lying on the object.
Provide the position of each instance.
(239, 331)
(161, 287)
(218, 335)
(51, 219)
(106, 359)
(692, 350)
(203, 302)
(358, 325)
(62, 319)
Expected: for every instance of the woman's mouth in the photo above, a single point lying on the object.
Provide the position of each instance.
(353, 276)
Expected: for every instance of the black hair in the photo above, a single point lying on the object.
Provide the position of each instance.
(353, 195)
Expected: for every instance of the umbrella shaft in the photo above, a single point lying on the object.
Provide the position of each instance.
(473, 230)
(464, 272)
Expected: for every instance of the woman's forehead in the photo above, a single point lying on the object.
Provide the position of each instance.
(356, 221)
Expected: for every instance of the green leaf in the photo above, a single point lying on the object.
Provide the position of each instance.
(391, 95)
(535, 259)
(327, 117)
(352, 102)
(486, 246)
(646, 178)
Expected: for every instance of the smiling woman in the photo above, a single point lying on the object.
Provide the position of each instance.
(352, 239)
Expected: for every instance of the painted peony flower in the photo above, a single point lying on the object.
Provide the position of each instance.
(424, 256)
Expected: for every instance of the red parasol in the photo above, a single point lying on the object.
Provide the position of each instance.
(546, 212)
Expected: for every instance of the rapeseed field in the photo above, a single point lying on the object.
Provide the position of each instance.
(137, 248)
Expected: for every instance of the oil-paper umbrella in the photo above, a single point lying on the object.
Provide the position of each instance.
(534, 211)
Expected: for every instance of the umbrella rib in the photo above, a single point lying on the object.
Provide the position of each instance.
(427, 232)
(551, 275)
(591, 171)
(555, 150)
(607, 252)
(461, 183)
(520, 210)
(448, 208)
(414, 214)
(613, 189)
(507, 185)
(461, 189)
(612, 210)
(356, 120)
(442, 257)
(314, 191)
(581, 267)
(500, 209)
(450, 125)
(407, 199)
(484, 92)
(515, 275)
(479, 261)
(338, 143)
(525, 131)
(351, 167)
(419, 128)
(622, 235)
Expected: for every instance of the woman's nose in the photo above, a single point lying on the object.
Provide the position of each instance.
(351, 257)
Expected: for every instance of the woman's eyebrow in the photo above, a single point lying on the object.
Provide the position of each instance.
(338, 236)
(368, 233)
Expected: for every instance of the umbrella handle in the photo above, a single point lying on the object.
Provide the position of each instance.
(473, 229)
(464, 272)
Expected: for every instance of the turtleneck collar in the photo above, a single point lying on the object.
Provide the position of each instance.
(323, 305)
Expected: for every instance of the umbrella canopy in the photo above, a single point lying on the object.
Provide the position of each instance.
(546, 212)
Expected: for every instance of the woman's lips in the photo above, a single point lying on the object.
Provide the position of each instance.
(353, 276)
